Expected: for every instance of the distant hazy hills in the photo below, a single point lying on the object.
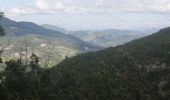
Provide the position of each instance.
(108, 38)
(55, 28)
(104, 38)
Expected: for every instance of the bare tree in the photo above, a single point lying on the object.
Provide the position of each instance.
(2, 49)
(22, 50)
(51, 54)
(48, 55)
(2, 33)
(1, 14)
(26, 50)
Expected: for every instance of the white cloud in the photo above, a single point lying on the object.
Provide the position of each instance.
(50, 5)
(58, 5)
(2, 8)
(106, 5)
(23, 10)
(42, 5)
(94, 6)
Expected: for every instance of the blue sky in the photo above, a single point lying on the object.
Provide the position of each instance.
(91, 14)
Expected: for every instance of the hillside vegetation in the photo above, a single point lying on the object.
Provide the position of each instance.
(26, 38)
(138, 70)
(41, 45)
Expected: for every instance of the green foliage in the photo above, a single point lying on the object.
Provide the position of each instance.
(138, 70)
(19, 84)
(34, 59)
(1, 61)
(2, 31)
(57, 55)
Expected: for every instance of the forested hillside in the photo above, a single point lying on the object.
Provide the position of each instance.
(138, 70)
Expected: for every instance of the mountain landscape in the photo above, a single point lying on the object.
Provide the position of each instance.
(40, 40)
(54, 28)
(133, 71)
(138, 69)
(66, 44)
(24, 28)
(104, 38)
(84, 50)
(108, 38)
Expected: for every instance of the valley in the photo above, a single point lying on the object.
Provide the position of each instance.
(48, 42)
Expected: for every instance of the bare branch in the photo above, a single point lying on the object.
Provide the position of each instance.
(4, 47)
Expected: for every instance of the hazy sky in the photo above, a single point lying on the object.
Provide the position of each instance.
(91, 14)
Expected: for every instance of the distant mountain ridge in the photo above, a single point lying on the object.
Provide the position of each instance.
(53, 27)
(27, 27)
(105, 38)
(109, 37)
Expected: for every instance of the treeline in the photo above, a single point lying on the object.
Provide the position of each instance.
(20, 82)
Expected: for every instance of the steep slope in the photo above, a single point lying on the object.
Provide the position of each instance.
(138, 70)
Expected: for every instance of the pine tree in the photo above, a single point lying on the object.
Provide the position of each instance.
(2, 31)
